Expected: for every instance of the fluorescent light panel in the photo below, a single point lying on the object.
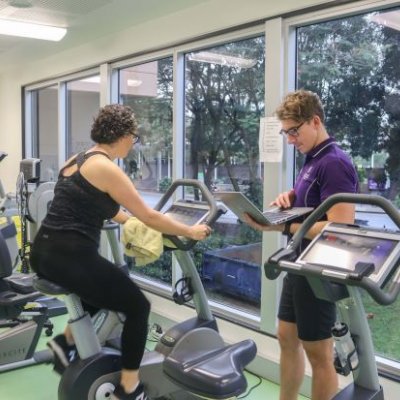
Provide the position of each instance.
(30, 30)
(222, 59)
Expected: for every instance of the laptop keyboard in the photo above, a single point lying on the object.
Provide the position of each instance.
(273, 216)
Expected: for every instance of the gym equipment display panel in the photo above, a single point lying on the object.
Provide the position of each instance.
(342, 247)
(188, 212)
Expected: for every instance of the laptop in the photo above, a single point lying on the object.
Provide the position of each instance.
(274, 215)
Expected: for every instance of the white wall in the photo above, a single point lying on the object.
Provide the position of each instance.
(33, 63)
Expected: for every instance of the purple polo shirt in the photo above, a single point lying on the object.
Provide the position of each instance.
(326, 170)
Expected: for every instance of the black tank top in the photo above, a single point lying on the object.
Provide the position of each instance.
(78, 205)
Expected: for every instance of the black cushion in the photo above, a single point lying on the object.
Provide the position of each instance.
(5, 258)
(217, 374)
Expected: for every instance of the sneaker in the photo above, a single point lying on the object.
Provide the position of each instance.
(64, 353)
(138, 394)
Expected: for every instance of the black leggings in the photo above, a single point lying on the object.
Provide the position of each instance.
(71, 260)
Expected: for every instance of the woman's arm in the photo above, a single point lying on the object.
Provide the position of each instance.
(108, 177)
(121, 217)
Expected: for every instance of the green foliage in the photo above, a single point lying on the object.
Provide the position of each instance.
(396, 201)
(254, 192)
(215, 241)
(384, 328)
(340, 61)
(224, 104)
(361, 173)
(352, 63)
(159, 270)
(164, 184)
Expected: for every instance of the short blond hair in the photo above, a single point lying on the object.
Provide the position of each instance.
(300, 106)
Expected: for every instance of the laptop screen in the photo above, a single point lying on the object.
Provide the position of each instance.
(240, 204)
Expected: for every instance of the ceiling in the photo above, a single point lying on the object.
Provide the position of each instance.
(84, 19)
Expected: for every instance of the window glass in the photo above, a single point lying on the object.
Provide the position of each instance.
(352, 63)
(45, 131)
(83, 102)
(148, 89)
(224, 100)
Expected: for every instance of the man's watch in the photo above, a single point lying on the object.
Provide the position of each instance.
(286, 229)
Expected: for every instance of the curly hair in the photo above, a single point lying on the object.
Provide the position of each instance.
(113, 122)
(299, 106)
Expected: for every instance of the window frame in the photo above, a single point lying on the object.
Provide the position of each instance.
(280, 56)
(29, 112)
(386, 366)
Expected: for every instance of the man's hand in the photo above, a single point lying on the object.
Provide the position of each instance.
(284, 200)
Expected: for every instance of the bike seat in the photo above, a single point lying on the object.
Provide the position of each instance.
(21, 282)
(216, 374)
(48, 287)
(12, 302)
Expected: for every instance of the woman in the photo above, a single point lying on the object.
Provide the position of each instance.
(90, 189)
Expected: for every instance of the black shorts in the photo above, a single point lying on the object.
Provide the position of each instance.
(314, 317)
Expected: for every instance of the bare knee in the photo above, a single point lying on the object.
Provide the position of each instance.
(319, 353)
(287, 337)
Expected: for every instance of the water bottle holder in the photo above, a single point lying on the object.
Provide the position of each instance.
(346, 369)
(339, 368)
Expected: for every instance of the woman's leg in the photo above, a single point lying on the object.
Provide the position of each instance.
(98, 282)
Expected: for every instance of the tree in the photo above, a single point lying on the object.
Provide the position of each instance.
(340, 61)
(392, 107)
(224, 103)
(352, 64)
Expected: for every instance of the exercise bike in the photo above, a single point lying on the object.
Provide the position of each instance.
(22, 325)
(8, 204)
(339, 262)
(190, 359)
(33, 200)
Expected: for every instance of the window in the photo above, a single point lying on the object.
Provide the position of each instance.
(83, 102)
(224, 100)
(45, 131)
(147, 88)
(352, 63)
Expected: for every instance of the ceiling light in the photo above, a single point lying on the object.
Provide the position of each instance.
(20, 3)
(222, 59)
(390, 19)
(92, 79)
(30, 30)
(134, 82)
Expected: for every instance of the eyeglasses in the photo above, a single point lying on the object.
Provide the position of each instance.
(293, 132)
(135, 139)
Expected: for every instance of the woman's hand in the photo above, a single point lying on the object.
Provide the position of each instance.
(199, 232)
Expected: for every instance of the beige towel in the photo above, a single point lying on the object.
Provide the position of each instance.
(142, 243)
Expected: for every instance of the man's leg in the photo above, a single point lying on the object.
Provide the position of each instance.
(324, 377)
(291, 362)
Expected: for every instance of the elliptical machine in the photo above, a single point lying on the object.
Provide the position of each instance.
(190, 359)
(339, 262)
(8, 204)
(22, 318)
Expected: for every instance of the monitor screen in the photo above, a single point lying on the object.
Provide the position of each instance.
(186, 215)
(344, 251)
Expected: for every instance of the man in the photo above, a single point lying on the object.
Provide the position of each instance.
(305, 321)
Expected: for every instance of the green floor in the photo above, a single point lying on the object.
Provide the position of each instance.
(40, 382)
